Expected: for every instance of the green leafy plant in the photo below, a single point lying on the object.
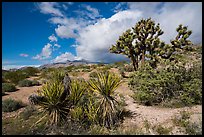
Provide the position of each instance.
(173, 83)
(104, 85)
(14, 76)
(8, 87)
(52, 105)
(9, 105)
(25, 83)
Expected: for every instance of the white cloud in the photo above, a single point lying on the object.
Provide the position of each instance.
(95, 40)
(45, 53)
(121, 6)
(23, 55)
(93, 12)
(52, 38)
(171, 14)
(50, 8)
(95, 36)
(57, 45)
(64, 57)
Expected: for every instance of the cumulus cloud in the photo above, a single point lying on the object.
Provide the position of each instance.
(171, 14)
(65, 56)
(57, 45)
(121, 6)
(50, 8)
(92, 12)
(52, 38)
(94, 36)
(45, 53)
(95, 40)
(23, 55)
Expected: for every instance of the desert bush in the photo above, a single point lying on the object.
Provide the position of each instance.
(8, 87)
(35, 83)
(153, 86)
(9, 105)
(31, 71)
(162, 130)
(28, 112)
(93, 74)
(14, 76)
(25, 83)
(128, 68)
(191, 128)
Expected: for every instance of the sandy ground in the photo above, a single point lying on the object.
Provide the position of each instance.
(21, 94)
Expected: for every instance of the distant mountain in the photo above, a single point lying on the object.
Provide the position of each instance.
(68, 63)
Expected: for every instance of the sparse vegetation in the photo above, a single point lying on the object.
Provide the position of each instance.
(28, 83)
(153, 87)
(8, 87)
(161, 75)
(184, 121)
(10, 105)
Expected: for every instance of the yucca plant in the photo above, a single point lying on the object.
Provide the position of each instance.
(104, 85)
(77, 89)
(52, 105)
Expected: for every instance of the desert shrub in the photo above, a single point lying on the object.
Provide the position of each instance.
(35, 83)
(9, 105)
(162, 130)
(173, 83)
(29, 111)
(2, 93)
(31, 71)
(93, 74)
(25, 83)
(128, 68)
(191, 128)
(8, 87)
(119, 64)
(14, 76)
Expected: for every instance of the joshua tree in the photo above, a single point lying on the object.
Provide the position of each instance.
(180, 43)
(125, 46)
(142, 41)
(134, 43)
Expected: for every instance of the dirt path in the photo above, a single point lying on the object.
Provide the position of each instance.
(21, 94)
(154, 115)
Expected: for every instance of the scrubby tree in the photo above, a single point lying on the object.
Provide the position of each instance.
(178, 44)
(143, 42)
(125, 46)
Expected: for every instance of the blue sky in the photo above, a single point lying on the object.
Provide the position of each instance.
(35, 33)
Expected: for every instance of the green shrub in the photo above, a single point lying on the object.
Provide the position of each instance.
(8, 87)
(29, 111)
(154, 87)
(25, 83)
(162, 130)
(9, 105)
(14, 76)
(35, 83)
(31, 71)
(128, 68)
(93, 74)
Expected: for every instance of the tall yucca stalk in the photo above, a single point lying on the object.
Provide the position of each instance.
(52, 105)
(105, 84)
